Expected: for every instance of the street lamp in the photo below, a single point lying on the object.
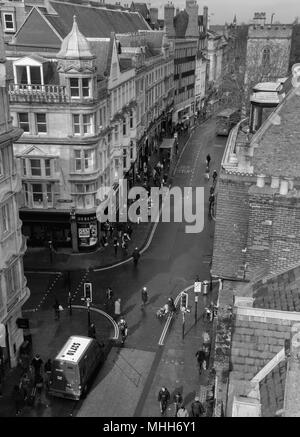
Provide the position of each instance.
(88, 298)
(197, 290)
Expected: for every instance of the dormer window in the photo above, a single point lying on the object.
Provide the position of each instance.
(29, 71)
(80, 88)
(9, 22)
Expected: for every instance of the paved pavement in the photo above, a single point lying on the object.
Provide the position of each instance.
(169, 265)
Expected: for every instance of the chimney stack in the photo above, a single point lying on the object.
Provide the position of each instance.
(169, 20)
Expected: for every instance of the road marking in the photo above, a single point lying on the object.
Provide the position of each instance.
(31, 272)
(103, 313)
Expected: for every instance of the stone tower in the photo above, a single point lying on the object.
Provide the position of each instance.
(192, 8)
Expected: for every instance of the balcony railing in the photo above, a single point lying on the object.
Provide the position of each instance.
(37, 93)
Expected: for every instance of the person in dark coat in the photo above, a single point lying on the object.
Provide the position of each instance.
(48, 370)
(92, 331)
(163, 398)
(197, 408)
(177, 399)
(37, 363)
(18, 399)
(116, 244)
(136, 255)
(200, 355)
(208, 159)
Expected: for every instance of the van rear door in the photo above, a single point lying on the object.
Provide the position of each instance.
(58, 377)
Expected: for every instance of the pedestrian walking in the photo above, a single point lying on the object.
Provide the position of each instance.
(123, 329)
(214, 175)
(56, 308)
(200, 355)
(24, 386)
(171, 305)
(182, 412)
(129, 230)
(48, 371)
(37, 363)
(92, 331)
(124, 246)
(111, 231)
(116, 245)
(208, 159)
(40, 395)
(118, 307)
(163, 398)
(136, 256)
(197, 408)
(18, 399)
(109, 296)
(177, 399)
(207, 173)
(144, 297)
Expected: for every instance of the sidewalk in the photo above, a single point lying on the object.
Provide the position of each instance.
(48, 337)
(38, 258)
(178, 368)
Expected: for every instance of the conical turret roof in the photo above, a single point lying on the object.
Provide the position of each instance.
(75, 45)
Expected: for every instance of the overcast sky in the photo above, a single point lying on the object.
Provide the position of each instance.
(224, 10)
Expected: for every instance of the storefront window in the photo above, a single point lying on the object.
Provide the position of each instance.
(87, 230)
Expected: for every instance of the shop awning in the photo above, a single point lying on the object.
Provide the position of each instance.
(167, 143)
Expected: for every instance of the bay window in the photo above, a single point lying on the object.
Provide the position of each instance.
(83, 124)
(80, 88)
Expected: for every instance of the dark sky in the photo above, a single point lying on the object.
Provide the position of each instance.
(224, 10)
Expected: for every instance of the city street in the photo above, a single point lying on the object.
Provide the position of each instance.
(169, 265)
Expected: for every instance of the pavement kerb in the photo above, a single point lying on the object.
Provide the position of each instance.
(103, 313)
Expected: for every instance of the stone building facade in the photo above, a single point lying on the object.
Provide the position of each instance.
(267, 55)
(13, 290)
(257, 222)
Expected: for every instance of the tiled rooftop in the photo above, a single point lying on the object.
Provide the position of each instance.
(281, 292)
(272, 391)
(255, 343)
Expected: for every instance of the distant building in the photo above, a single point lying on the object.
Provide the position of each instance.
(74, 97)
(13, 290)
(268, 53)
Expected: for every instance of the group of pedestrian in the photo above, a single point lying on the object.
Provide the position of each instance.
(164, 397)
(33, 385)
(118, 237)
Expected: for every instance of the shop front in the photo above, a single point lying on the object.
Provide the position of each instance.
(87, 231)
(40, 227)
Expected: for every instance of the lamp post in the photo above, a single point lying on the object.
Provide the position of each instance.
(197, 290)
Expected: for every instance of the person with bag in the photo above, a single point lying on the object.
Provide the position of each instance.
(200, 355)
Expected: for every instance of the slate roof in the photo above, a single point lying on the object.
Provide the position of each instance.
(272, 391)
(281, 292)
(255, 343)
(278, 145)
(141, 8)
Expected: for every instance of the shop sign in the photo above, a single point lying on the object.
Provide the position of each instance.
(84, 232)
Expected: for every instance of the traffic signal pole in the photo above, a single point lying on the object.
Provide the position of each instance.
(183, 323)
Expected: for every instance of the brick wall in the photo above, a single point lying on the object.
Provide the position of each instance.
(285, 242)
(260, 224)
(231, 229)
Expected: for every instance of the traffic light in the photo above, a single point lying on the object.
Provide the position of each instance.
(87, 291)
(184, 300)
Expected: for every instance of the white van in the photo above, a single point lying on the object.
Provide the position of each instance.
(74, 367)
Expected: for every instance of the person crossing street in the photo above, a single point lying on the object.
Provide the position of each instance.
(163, 398)
(144, 297)
(123, 330)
